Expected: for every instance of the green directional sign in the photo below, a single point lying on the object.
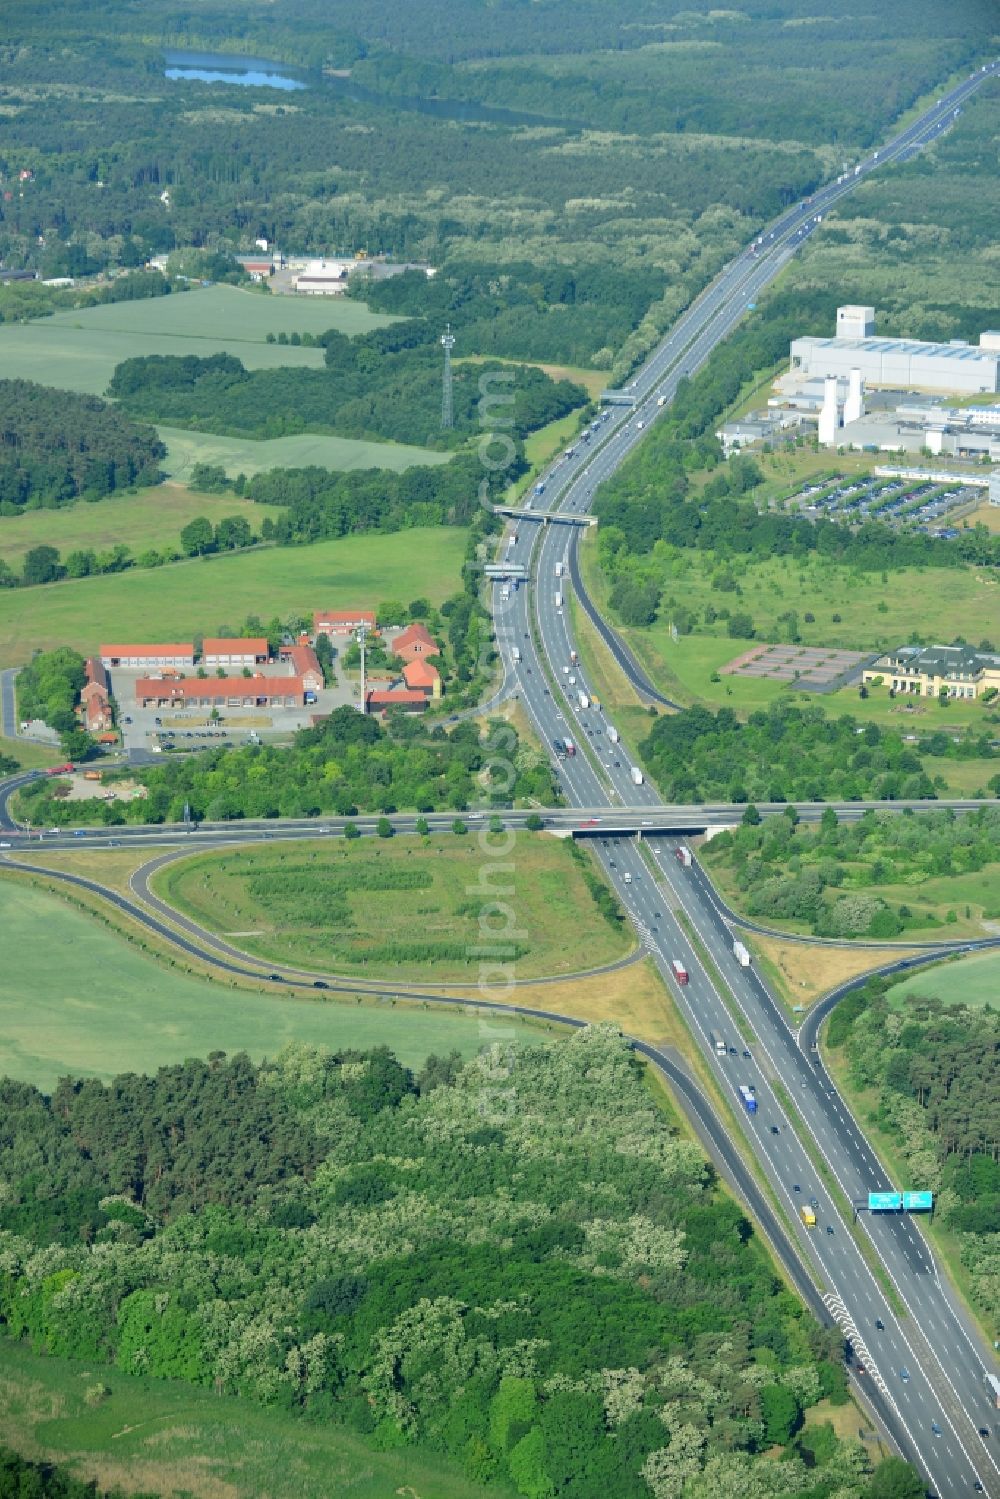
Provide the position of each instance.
(884, 1202)
(918, 1202)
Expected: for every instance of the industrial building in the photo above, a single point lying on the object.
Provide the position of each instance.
(235, 654)
(149, 657)
(324, 278)
(898, 363)
(219, 692)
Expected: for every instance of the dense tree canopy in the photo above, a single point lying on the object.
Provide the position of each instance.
(346, 764)
(395, 1253)
(828, 874)
(56, 445)
(783, 753)
(385, 384)
(935, 1070)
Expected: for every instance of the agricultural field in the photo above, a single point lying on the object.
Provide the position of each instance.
(194, 597)
(974, 980)
(151, 518)
(109, 1008)
(78, 350)
(399, 909)
(181, 1442)
(249, 456)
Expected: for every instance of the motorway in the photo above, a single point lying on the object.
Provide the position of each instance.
(927, 1366)
(802, 1134)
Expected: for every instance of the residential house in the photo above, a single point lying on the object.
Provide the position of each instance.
(384, 700)
(420, 676)
(343, 621)
(416, 640)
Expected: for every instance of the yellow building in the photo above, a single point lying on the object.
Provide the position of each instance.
(960, 671)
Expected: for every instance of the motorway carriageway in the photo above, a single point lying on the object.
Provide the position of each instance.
(937, 1410)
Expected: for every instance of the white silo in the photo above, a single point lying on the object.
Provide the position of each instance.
(854, 406)
(829, 417)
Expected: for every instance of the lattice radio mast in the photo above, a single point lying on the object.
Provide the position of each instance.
(447, 412)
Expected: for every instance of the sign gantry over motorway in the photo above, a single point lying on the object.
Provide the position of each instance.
(884, 1202)
(892, 1202)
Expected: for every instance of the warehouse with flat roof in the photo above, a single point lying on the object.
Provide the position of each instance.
(901, 363)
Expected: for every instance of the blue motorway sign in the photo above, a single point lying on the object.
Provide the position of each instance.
(881, 1202)
(916, 1202)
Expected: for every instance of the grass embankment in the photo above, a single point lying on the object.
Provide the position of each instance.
(622, 704)
(195, 597)
(31, 756)
(173, 1439)
(75, 998)
(79, 349)
(874, 615)
(803, 972)
(400, 909)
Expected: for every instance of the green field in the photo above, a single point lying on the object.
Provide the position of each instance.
(78, 350)
(173, 1439)
(968, 981)
(952, 602)
(249, 456)
(76, 999)
(338, 907)
(188, 598)
(150, 518)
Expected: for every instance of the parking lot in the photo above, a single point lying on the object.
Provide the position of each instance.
(900, 504)
(195, 727)
(815, 667)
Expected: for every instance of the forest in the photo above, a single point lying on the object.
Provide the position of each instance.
(322, 503)
(934, 1071)
(783, 753)
(557, 313)
(382, 385)
(334, 1234)
(828, 874)
(57, 447)
(348, 763)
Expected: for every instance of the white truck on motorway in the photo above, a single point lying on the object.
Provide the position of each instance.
(741, 953)
(613, 734)
(515, 654)
(559, 569)
(636, 775)
(558, 600)
(583, 700)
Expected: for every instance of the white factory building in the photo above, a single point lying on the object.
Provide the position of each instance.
(898, 363)
(324, 278)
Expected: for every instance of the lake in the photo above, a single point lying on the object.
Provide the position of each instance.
(258, 72)
(226, 67)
